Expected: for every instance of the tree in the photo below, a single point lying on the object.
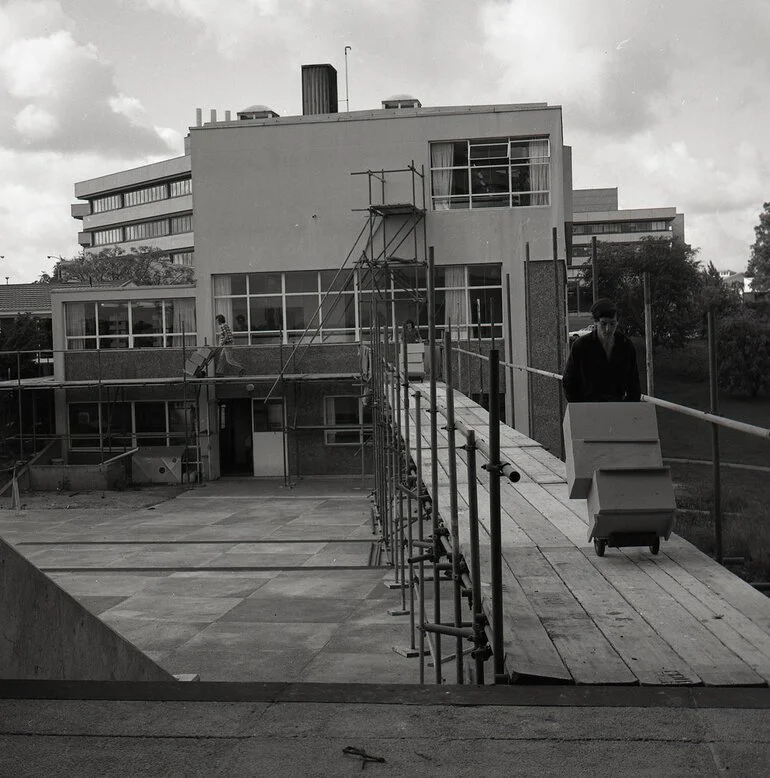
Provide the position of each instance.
(759, 262)
(716, 295)
(675, 286)
(27, 334)
(143, 266)
(744, 353)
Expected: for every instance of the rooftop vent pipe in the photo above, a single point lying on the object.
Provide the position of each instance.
(319, 89)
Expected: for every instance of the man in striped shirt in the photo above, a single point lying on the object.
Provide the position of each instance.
(225, 339)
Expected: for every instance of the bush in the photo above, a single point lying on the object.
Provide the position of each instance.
(744, 354)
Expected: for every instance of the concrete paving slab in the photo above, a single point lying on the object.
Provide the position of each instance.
(299, 547)
(97, 604)
(313, 531)
(153, 635)
(249, 666)
(257, 560)
(343, 584)
(354, 638)
(217, 585)
(180, 609)
(333, 667)
(244, 636)
(181, 557)
(76, 556)
(276, 608)
(109, 584)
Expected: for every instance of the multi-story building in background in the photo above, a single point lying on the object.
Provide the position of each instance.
(307, 230)
(596, 214)
(151, 204)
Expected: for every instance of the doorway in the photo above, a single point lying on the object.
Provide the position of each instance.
(235, 442)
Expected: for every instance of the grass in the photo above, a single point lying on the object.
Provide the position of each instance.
(745, 515)
(681, 376)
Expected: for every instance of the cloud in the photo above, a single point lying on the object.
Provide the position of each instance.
(59, 94)
(35, 196)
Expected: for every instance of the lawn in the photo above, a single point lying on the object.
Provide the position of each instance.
(681, 376)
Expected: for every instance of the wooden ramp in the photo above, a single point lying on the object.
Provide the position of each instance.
(678, 618)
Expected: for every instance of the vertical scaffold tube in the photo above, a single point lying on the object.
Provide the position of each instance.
(400, 462)
(473, 522)
(420, 535)
(453, 523)
(409, 485)
(494, 517)
(434, 457)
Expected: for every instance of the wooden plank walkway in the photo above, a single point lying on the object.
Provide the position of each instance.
(678, 618)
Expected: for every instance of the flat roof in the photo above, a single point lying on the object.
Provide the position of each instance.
(380, 113)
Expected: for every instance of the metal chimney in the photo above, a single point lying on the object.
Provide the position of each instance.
(319, 89)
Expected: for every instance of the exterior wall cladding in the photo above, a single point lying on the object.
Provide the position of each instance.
(278, 194)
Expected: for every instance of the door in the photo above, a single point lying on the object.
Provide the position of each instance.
(268, 437)
(235, 440)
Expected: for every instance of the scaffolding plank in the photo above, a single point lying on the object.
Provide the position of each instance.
(652, 660)
(704, 653)
(586, 652)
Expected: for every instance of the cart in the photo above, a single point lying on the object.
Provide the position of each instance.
(631, 508)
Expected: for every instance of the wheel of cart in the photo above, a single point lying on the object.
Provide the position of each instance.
(655, 546)
(600, 546)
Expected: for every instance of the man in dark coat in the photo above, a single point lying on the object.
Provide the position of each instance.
(601, 366)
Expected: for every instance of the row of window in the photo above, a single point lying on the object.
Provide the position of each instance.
(279, 307)
(146, 194)
(496, 173)
(157, 228)
(130, 324)
(125, 425)
(601, 228)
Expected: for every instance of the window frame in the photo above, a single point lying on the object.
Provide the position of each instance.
(355, 295)
(102, 438)
(479, 178)
(361, 428)
(168, 337)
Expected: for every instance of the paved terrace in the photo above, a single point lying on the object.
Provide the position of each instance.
(627, 618)
(239, 580)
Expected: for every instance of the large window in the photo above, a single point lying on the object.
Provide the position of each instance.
(125, 425)
(264, 308)
(157, 228)
(491, 173)
(105, 237)
(145, 194)
(350, 415)
(107, 203)
(130, 324)
(153, 229)
(180, 188)
(613, 228)
(148, 194)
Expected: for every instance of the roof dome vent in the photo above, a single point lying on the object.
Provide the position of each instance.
(401, 101)
(257, 112)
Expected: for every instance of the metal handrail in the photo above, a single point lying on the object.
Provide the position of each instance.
(722, 421)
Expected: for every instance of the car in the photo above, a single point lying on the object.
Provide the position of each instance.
(575, 334)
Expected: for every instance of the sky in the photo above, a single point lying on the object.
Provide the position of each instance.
(667, 101)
